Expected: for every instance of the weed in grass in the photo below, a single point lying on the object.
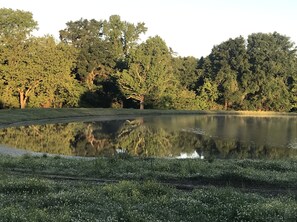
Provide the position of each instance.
(26, 156)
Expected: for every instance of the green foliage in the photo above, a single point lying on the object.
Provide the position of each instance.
(254, 76)
(94, 54)
(178, 98)
(122, 35)
(273, 62)
(45, 63)
(39, 73)
(185, 68)
(103, 47)
(102, 63)
(207, 95)
(15, 24)
(224, 70)
(149, 75)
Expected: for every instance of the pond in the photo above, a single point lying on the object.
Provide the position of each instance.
(178, 136)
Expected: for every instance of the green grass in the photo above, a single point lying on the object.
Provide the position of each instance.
(34, 199)
(265, 174)
(21, 116)
(25, 115)
(131, 189)
(123, 188)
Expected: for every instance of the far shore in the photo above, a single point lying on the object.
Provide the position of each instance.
(19, 117)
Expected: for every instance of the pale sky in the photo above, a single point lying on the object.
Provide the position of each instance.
(189, 27)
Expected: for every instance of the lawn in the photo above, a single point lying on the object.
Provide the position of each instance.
(124, 188)
(132, 189)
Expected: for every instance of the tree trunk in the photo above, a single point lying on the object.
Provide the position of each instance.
(141, 102)
(23, 100)
(226, 104)
(25, 95)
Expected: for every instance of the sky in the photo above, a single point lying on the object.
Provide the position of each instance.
(189, 27)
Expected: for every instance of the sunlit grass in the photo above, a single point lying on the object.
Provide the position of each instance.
(137, 189)
(239, 173)
(36, 199)
(21, 116)
(48, 115)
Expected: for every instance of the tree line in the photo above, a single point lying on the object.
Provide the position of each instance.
(103, 63)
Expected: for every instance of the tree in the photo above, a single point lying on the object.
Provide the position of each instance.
(101, 44)
(122, 35)
(273, 65)
(103, 47)
(15, 28)
(229, 66)
(35, 70)
(185, 69)
(94, 55)
(58, 87)
(294, 95)
(15, 25)
(149, 74)
(207, 95)
(40, 73)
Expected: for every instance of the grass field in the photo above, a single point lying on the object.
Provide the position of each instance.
(123, 188)
(129, 189)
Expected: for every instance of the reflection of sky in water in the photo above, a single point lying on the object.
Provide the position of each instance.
(293, 144)
(270, 131)
(193, 155)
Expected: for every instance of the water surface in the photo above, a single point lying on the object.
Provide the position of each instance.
(179, 136)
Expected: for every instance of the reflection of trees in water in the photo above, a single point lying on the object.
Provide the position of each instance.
(90, 141)
(50, 138)
(140, 140)
(137, 137)
(225, 149)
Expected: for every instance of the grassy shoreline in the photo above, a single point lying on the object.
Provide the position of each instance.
(17, 117)
(122, 188)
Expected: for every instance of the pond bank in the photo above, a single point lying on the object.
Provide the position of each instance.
(18, 117)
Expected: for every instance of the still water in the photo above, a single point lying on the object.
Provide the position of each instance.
(179, 136)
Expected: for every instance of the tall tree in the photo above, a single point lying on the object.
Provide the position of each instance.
(40, 73)
(149, 72)
(122, 35)
(101, 44)
(226, 67)
(103, 47)
(272, 57)
(15, 25)
(32, 67)
(15, 28)
(58, 87)
(95, 57)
